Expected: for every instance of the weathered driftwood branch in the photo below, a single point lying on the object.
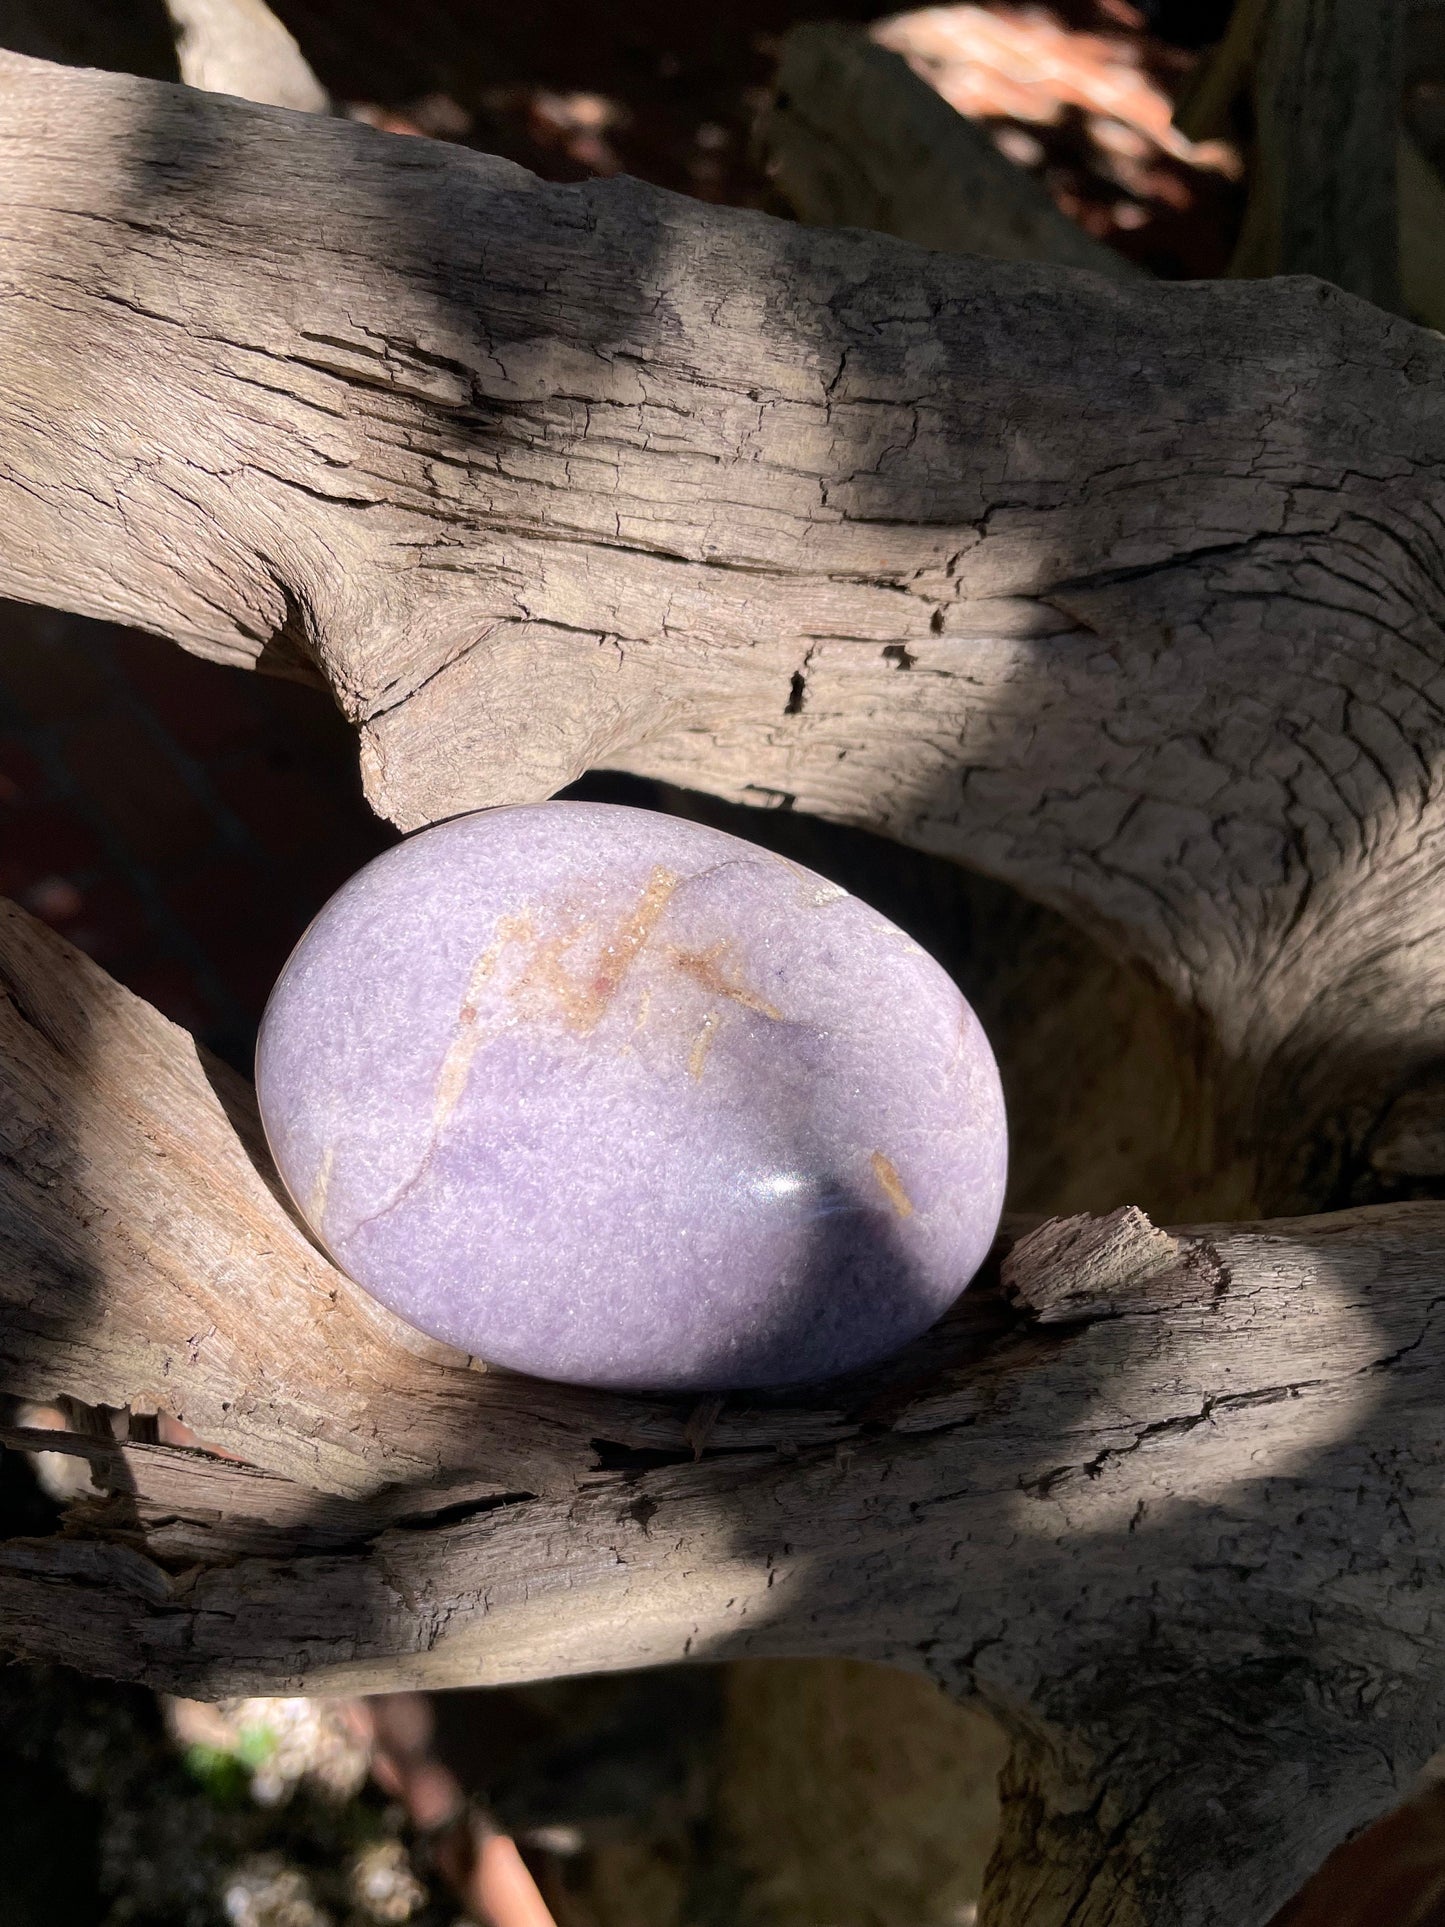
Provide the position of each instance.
(852, 137)
(1129, 596)
(1167, 1502)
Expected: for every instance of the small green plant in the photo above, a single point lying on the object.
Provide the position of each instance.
(225, 1771)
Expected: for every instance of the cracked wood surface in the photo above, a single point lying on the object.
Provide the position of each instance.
(1169, 1502)
(1126, 594)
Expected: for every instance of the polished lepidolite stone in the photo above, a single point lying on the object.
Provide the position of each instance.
(611, 1097)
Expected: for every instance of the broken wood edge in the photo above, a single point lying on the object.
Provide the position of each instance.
(1072, 1270)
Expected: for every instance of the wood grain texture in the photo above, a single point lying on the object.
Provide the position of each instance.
(1324, 87)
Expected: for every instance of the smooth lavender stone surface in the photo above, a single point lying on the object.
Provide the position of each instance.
(608, 1096)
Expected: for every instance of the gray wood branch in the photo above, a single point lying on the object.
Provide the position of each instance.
(1169, 1504)
(852, 137)
(1129, 596)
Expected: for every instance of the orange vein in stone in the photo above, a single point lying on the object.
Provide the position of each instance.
(704, 968)
(584, 999)
(702, 1043)
(321, 1185)
(467, 1037)
(886, 1172)
(629, 937)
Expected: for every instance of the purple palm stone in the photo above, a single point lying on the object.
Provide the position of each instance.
(607, 1096)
